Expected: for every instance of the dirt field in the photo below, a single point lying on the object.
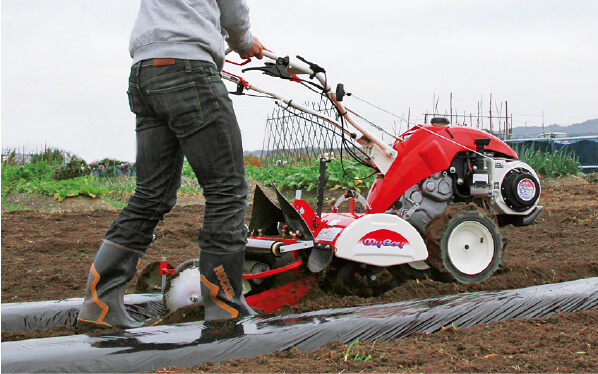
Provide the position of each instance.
(46, 255)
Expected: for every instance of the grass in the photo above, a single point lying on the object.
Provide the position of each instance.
(12, 207)
(356, 356)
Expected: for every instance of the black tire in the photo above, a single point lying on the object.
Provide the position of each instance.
(465, 245)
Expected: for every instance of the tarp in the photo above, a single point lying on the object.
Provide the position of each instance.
(47, 314)
(188, 344)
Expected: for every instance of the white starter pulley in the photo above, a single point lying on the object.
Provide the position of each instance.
(184, 290)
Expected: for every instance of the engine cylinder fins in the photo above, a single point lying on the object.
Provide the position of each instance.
(424, 200)
(464, 244)
(520, 189)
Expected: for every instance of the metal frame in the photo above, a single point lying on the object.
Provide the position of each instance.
(380, 153)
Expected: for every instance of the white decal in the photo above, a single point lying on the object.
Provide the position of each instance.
(329, 234)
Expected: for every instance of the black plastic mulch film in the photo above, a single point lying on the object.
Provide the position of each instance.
(47, 314)
(188, 344)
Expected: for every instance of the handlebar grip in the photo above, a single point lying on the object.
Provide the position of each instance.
(271, 55)
(267, 53)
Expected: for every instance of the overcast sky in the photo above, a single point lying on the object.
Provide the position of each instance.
(65, 63)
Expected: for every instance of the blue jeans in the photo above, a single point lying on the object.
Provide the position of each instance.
(182, 110)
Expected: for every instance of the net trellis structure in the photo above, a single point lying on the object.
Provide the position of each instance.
(293, 136)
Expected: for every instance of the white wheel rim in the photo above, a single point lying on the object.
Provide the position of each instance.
(471, 247)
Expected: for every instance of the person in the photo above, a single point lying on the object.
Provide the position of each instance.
(182, 110)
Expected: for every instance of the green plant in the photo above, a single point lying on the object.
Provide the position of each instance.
(14, 176)
(356, 356)
(556, 164)
(72, 169)
(58, 189)
(9, 157)
(306, 176)
(50, 155)
(74, 187)
(187, 170)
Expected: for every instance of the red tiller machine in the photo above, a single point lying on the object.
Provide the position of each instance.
(434, 210)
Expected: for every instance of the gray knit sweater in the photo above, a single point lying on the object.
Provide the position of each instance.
(190, 29)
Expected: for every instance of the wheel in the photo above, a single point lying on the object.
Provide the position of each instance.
(464, 243)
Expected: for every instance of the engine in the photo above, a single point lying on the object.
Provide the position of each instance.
(506, 187)
(422, 202)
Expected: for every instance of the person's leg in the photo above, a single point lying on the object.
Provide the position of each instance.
(215, 153)
(159, 165)
(158, 168)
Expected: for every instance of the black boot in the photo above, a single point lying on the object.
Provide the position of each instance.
(222, 285)
(103, 306)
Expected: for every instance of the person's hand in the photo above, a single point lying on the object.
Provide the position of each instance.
(256, 50)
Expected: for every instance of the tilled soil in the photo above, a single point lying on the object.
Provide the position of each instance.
(46, 256)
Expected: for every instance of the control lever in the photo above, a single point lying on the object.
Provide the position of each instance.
(314, 67)
(279, 69)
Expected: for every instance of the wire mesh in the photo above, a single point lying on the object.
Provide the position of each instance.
(294, 137)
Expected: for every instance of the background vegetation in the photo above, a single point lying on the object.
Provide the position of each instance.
(58, 174)
(548, 164)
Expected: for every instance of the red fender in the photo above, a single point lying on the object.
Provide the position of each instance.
(428, 150)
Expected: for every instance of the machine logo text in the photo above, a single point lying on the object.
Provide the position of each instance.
(384, 238)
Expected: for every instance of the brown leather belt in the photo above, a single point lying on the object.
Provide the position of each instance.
(163, 61)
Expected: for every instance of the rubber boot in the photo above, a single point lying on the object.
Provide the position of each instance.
(103, 306)
(222, 285)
